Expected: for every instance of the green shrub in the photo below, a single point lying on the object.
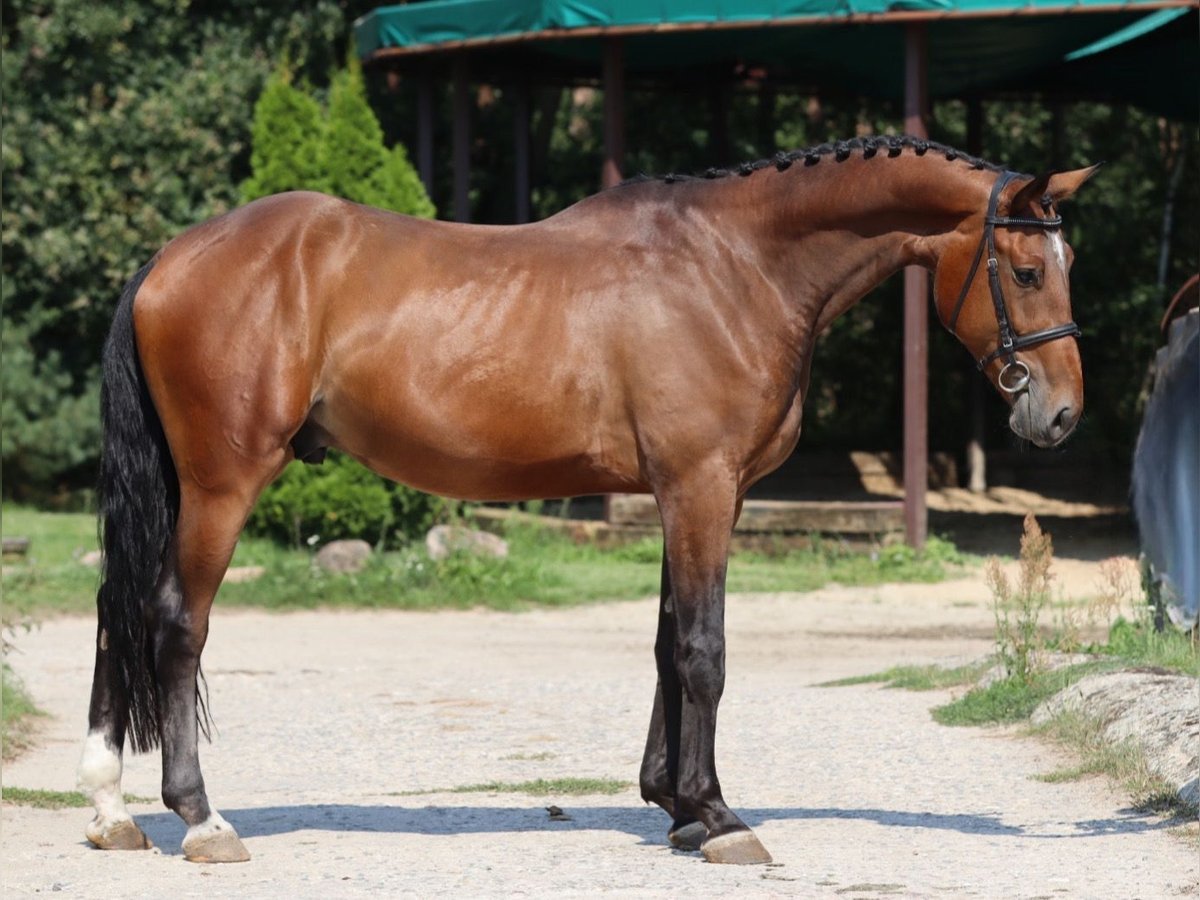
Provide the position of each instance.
(341, 499)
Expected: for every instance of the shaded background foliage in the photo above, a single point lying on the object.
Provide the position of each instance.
(127, 122)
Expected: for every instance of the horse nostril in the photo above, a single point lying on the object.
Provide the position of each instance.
(1065, 420)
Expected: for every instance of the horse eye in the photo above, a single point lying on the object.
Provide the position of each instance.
(1025, 277)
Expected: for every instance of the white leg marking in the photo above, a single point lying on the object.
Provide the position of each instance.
(214, 823)
(99, 777)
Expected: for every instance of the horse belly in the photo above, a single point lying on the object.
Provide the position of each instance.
(482, 444)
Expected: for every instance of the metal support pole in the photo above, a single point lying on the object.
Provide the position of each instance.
(719, 146)
(522, 119)
(976, 454)
(462, 140)
(614, 112)
(425, 131)
(916, 317)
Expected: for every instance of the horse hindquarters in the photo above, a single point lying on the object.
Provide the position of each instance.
(167, 543)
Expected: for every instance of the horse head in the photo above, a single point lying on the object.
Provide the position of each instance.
(1001, 287)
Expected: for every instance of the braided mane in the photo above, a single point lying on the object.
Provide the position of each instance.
(890, 146)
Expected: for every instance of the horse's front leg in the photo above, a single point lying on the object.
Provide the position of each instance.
(698, 514)
(660, 764)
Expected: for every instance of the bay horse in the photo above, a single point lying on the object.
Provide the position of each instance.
(656, 337)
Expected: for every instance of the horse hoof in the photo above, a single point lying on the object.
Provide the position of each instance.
(120, 835)
(738, 848)
(223, 846)
(688, 837)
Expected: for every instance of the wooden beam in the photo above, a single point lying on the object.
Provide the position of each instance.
(916, 316)
(462, 139)
(522, 118)
(614, 112)
(425, 125)
(777, 516)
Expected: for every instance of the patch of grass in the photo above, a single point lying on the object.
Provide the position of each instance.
(1124, 762)
(917, 678)
(1137, 643)
(1010, 699)
(40, 799)
(530, 757)
(545, 787)
(543, 568)
(832, 562)
(17, 714)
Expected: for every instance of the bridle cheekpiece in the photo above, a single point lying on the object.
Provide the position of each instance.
(1010, 342)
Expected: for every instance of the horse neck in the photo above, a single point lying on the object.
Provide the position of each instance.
(836, 230)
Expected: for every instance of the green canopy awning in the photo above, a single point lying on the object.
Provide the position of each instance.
(851, 45)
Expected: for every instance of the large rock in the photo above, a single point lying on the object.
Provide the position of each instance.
(344, 557)
(1157, 710)
(242, 574)
(443, 540)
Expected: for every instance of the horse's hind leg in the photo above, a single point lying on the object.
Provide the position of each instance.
(207, 532)
(100, 767)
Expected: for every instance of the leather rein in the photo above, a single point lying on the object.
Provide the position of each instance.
(1010, 342)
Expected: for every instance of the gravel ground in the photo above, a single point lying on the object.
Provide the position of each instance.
(329, 721)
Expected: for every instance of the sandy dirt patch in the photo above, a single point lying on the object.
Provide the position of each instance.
(327, 720)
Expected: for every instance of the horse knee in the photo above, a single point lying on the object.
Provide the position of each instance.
(700, 662)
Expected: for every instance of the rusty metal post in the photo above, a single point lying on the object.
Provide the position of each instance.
(976, 454)
(425, 131)
(522, 117)
(916, 316)
(614, 112)
(462, 139)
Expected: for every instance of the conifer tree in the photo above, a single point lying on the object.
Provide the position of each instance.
(354, 146)
(288, 134)
(405, 192)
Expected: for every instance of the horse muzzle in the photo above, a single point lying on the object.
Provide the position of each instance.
(1046, 424)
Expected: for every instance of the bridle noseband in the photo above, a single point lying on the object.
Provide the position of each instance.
(1010, 342)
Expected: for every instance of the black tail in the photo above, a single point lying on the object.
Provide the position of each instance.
(139, 504)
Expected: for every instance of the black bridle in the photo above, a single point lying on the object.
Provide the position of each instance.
(1010, 342)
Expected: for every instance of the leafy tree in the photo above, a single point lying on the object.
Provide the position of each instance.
(124, 123)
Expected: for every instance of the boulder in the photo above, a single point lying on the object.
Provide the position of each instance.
(239, 574)
(443, 540)
(344, 557)
(1155, 709)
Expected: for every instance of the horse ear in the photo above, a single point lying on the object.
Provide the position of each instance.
(1050, 187)
(1064, 184)
(1031, 193)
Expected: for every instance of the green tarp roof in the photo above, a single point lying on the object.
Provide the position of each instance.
(1143, 51)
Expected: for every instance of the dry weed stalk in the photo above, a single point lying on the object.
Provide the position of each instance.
(1017, 609)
